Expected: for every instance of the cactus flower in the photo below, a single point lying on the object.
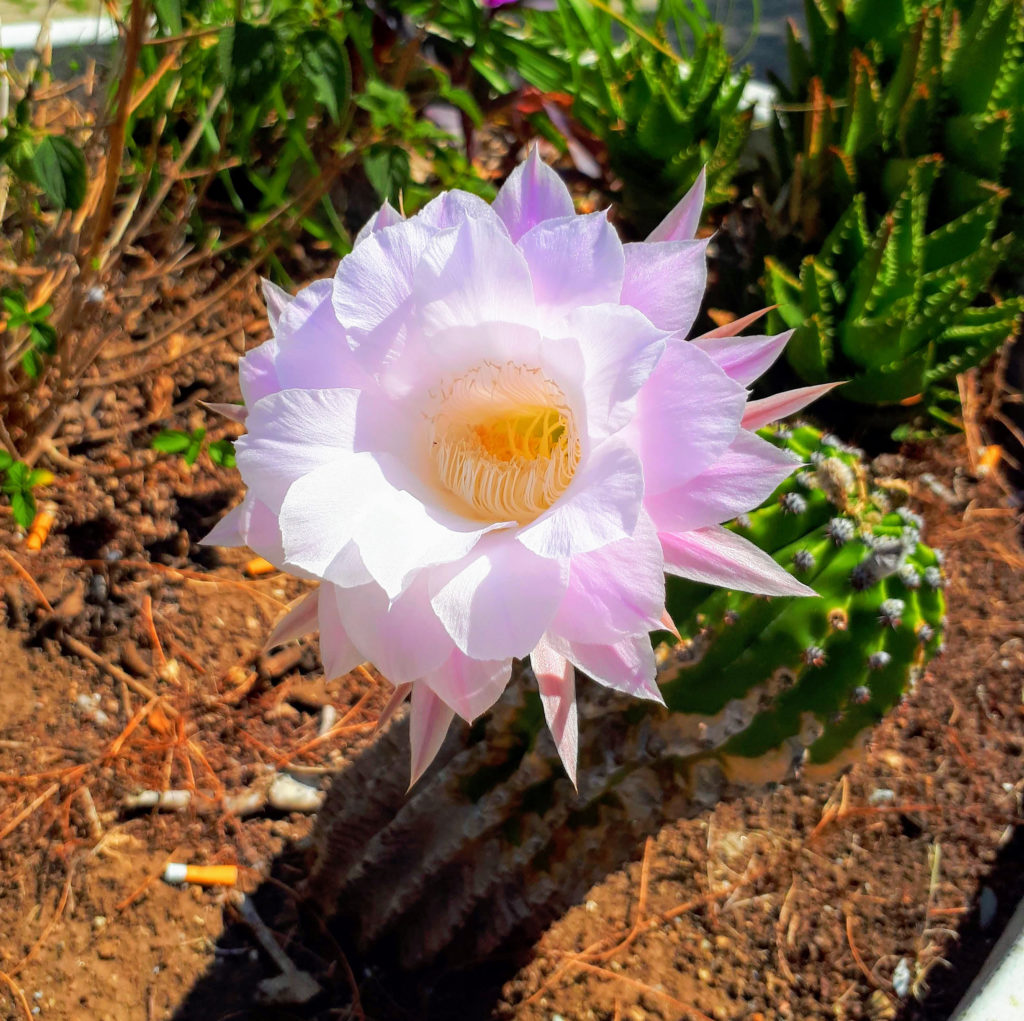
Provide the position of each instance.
(488, 437)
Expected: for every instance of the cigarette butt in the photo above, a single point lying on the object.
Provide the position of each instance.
(40, 528)
(201, 875)
(258, 566)
(990, 457)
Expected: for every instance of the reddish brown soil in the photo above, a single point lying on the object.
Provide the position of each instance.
(798, 905)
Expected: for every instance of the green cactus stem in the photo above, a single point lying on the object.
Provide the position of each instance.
(493, 843)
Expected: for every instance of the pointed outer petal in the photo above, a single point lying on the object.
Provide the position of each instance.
(600, 506)
(373, 289)
(615, 591)
(744, 358)
(737, 326)
(452, 208)
(233, 412)
(276, 299)
(428, 726)
(770, 409)
(353, 500)
(627, 666)
(742, 478)
(499, 600)
(687, 416)
(578, 153)
(682, 223)
(299, 619)
(620, 350)
(556, 679)
(257, 375)
(338, 652)
(716, 556)
(386, 216)
(402, 637)
(666, 282)
(299, 309)
(669, 625)
(532, 193)
(470, 275)
(292, 433)
(398, 696)
(253, 524)
(313, 350)
(574, 261)
(469, 686)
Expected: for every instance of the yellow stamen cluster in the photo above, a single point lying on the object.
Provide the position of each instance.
(504, 441)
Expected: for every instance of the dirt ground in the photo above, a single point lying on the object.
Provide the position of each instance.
(130, 661)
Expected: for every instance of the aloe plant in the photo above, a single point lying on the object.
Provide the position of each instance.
(493, 842)
(900, 145)
(890, 309)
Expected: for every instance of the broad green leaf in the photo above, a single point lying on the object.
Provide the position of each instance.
(58, 167)
(171, 441)
(5, 460)
(23, 503)
(326, 67)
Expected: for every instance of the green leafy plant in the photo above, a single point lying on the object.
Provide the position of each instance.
(890, 308)
(899, 153)
(33, 326)
(190, 445)
(19, 483)
(53, 163)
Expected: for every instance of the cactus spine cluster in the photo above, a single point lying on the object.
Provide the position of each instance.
(494, 842)
(901, 143)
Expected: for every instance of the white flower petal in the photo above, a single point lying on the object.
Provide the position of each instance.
(469, 686)
(532, 193)
(428, 726)
(556, 679)
(666, 282)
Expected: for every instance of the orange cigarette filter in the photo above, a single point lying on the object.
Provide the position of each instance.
(258, 566)
(40, 527)
(201, 875)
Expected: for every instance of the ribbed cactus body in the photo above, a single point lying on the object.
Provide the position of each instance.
(493, 842)
(900, 142)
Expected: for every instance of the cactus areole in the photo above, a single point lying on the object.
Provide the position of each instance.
(488, 438)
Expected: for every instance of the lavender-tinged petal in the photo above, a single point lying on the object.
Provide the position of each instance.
(716, 556)
(744, 358)
(681, 224)
(386, 216)
(498, 601)
(469, 686)
(428, 726)
(627, 666)
(737, 326)
(666, 282)
(299, 619)
(744, 476)
(338, 652)
(276, 298)
(232, 412)
(532, 193)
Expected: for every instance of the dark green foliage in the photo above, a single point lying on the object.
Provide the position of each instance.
(19, 481)
(900, 148)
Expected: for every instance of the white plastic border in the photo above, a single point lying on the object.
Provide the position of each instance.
(65, 33)
(997, 994)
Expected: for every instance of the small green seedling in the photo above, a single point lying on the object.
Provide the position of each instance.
(19, 480)
(41, 337)
(190, 445)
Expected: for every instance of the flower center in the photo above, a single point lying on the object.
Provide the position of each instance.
(505, 441)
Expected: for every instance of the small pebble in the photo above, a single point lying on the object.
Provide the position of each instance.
(901, 978)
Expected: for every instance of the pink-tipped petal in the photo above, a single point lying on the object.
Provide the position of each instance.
(299, 619)
(498, 601)
(338, 652)
(469, 686)
(716, 556)
(386, 216)
(276, 298)
(770, 409)
(681, 224)
(627, 666)
(669, 625)
(744, 358)
(428, 726)
(556, 679)
(232, 412)
(395, 702)
(737, 326)
(744, 476)
(574, 261)
(532, 193)
(666, 282)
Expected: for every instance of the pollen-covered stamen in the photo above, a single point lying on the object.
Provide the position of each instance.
(505, 442)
